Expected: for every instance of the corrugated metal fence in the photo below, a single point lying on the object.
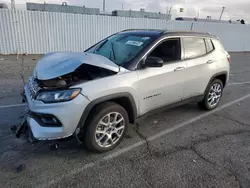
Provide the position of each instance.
(41, 32)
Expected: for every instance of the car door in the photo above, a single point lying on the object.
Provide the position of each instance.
(160, 86)
(200, 65)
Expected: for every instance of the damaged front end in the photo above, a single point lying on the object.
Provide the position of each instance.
(62, 70)
(83, 73)
(51, 111)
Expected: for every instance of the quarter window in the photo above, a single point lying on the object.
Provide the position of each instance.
(210, 46)
(194, 47)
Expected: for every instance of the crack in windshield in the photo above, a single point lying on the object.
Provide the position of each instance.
(112, 47)
(99, 47)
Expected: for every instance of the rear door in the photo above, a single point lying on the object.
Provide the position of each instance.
(200, 61)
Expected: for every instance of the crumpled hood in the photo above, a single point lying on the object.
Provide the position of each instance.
(57, 64)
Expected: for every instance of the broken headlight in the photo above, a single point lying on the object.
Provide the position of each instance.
(58, 95)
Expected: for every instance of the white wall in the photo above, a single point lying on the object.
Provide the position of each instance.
(41, 32)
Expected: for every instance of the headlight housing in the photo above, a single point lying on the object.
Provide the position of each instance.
(58, 95)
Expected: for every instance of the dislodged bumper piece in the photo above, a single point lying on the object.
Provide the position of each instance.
(23, 129)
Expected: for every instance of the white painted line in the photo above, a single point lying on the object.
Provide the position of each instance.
(12, 105)
(237, 83)
(142, 142)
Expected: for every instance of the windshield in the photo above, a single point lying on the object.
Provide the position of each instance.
(121, 48)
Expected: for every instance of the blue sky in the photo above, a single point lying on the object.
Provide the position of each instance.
(234, 10)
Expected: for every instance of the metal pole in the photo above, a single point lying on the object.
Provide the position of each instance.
(103, 5)
(198, 15)
(192, 26)
(169, 11)
(13, 5)
(223, 8)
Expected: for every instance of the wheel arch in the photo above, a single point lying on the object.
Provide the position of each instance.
(126, 100)
(221, 76)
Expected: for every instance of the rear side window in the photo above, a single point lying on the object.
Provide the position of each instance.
(194, 47)
(209, 45)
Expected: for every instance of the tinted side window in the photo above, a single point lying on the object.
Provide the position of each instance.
(168, 51)
(210, 46)
(194, 47)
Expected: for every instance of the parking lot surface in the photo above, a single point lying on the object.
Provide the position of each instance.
(179, 147)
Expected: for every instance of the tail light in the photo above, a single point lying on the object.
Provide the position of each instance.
(228, 58)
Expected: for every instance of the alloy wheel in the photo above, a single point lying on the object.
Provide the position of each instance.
(214, 94)
(109, 129)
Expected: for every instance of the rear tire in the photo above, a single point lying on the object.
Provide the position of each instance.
(105, 127)
(212, 96)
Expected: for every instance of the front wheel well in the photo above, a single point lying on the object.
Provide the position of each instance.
(126, 102)
(127, 105)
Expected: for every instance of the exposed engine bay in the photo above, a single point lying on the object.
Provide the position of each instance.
(82, 74)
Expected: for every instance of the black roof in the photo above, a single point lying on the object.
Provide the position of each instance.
(146, 32)
(162, 32)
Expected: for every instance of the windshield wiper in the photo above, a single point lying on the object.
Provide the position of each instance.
(99, 47)
(112, 47)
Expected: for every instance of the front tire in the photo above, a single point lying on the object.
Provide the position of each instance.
(212, 96)
(105, 127)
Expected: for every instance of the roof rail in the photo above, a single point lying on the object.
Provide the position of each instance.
(186, 31)
(141, 29)
(129, 29)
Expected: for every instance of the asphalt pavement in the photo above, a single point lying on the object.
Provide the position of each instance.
(179, 147)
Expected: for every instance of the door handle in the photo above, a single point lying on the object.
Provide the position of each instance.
(210, 61)
(179, 68)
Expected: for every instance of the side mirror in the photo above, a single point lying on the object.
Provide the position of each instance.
(153, 62)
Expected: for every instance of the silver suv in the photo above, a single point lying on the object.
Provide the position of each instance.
(95, 94)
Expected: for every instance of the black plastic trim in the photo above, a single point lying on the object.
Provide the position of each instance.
(95, 102)
(197, 98)
(214, 76)
(38, 116)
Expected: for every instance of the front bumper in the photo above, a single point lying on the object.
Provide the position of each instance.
(67, 113)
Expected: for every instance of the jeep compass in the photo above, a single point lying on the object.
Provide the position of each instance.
(94, 95)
